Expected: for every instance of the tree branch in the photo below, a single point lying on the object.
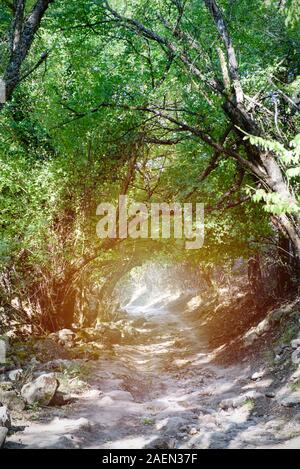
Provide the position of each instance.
(170, 46)
(213, 163)
(183, 126)
(217, 16)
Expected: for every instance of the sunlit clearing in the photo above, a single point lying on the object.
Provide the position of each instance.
(150, 290)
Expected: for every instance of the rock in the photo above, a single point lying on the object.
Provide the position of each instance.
(263, 327)
(40, 391)
(193, 431)
(171, 426)
(120, 395)
(292, 400)
(82, 424)
(277, 315)
(239, 401)
(270, 395)
(257, 331)
(65, 442)
(250, 337)
(295, 344)
(296, 356)
(11, 399)
(50, 349)
(66, 336)
(15, 375)
(59, 364)
(258, 375)
(6, 386)
(161, 443)
(280, 349)
(106, 401)
(34, 362)
(296, 375)
(3, 434)
(5, 420)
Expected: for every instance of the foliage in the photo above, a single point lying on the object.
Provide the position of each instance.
(76, 122)
(290, 160)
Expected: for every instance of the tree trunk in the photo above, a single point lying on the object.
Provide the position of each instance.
(255, 277)
(284, 284)
(21, 37)
(265, 163)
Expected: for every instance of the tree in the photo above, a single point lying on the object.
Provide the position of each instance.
(165, 101)
(179, 39)
(19, 39)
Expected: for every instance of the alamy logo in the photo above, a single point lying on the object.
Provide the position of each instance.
(2, 91)
(155, 221)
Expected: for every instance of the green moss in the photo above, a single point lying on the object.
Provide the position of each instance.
(250, 403)
(148, 421)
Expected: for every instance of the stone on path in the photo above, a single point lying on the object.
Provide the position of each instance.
(41, 391)
(10, 398)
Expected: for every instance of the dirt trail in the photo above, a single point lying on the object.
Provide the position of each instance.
(163, 392)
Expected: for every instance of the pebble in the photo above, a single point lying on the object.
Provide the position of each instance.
(193, 431)
(258, 375)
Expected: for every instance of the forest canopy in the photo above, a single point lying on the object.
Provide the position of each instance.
(163, 101)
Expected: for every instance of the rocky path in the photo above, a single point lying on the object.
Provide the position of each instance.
(164, 392)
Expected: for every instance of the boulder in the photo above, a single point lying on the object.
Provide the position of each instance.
(40, 391)
(10, 398)
(5, 417)
(3, 434)
(50, 349)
